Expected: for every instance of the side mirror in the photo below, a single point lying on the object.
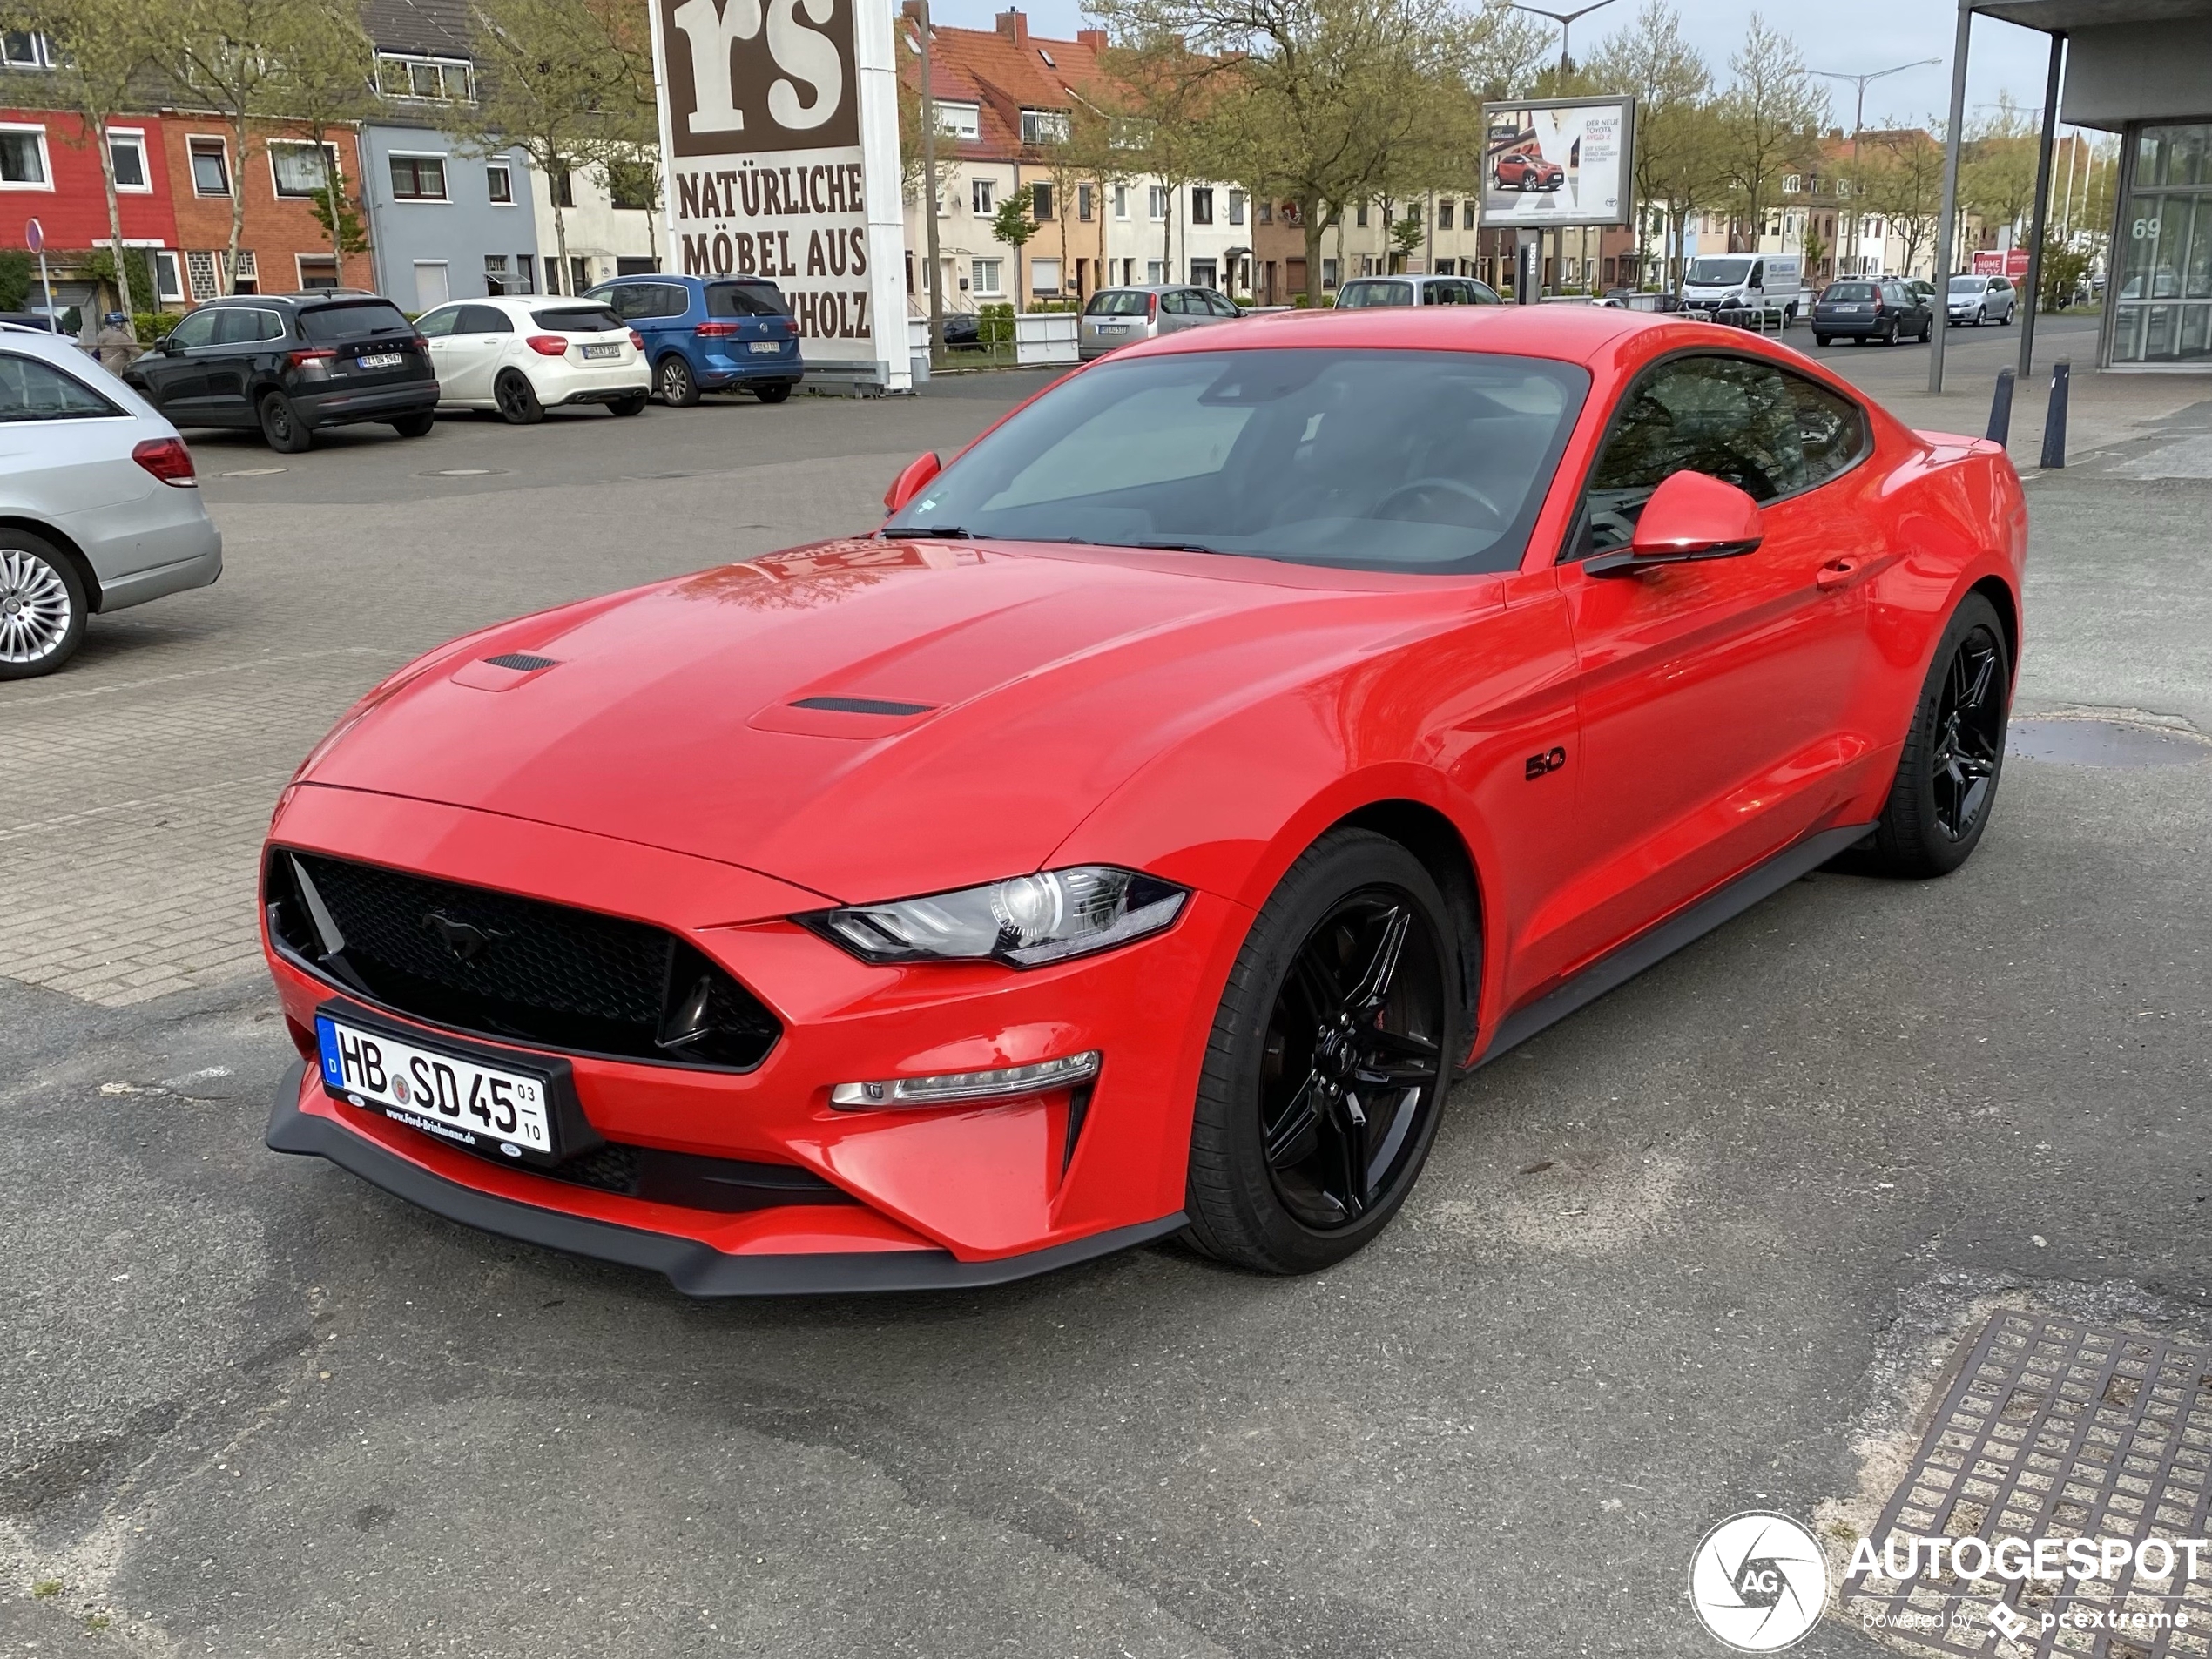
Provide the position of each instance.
(167, 344)
(911, 481)
(1691, 516)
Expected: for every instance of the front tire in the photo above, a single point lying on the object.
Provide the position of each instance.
(517, 399)
(1947, 778)
(1329, 1060)
(674, 381)
(281, 427)
(42, 607)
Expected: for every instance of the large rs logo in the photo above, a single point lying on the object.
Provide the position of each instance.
(804, 82)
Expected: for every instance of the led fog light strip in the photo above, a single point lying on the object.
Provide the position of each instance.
(949, 1086)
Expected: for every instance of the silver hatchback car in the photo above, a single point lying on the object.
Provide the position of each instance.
(99, 505)
(1119, 316)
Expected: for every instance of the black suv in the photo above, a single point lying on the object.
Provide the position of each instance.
(290, 364)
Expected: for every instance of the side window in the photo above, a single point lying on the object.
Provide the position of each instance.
(30, 390)
(1223, 305)
(1758, 275)
(436, 325)
(1831, 427)
(1176, 304)
(668, 299)
(238, 326)
(484, 320)
(197, 329)
(1729, 417)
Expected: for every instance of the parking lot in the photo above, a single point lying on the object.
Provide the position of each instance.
(1703, 1247)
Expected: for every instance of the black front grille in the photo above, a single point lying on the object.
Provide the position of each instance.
(501, 966)
(728, 1184)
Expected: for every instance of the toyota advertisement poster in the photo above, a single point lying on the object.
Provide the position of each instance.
(1558, 161)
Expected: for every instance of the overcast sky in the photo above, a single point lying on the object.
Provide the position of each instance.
(1854, 37)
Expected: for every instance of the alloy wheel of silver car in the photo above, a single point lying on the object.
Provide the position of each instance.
(35, 609)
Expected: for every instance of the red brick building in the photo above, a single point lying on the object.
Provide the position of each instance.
(284, 247)
(50, 170)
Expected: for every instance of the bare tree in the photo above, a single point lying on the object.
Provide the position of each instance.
(1902, 181)
(326, 82)
(102, 49)
(1769, 119)
(1672, 87)
(223, 56)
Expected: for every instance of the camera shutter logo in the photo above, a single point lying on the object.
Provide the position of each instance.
(1759, 1581)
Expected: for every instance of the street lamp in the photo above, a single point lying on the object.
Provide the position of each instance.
(1566, 21)
(1858, 120)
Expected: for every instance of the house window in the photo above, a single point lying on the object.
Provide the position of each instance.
(200, 268)
(499, 184)
(1202, 273)
(525, 274)
(1359, 216)
(1201, 205)
(960, 120)
(1044, 126)
(300, 170)
(1157, 197)
(1451, 267)
(1263, 212)
(127, 152)
(1155, 271)
(1086, 203)
(1328, 273)
(987, 275)
(631, 184)
(496, 277)
(982, 196)
(1444, 214)
(419, 179)
(1794, 185)
(22, 49)
(211, 167)
(563, 185)
(1121, 202)
(316, 271)
(1044, 276)
(168, 277)
(579, 273)
(1041, 203)
(1236, 207)
(245, 275)
(23, 158)
(434, 80)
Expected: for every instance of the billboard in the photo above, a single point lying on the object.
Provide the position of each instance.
(2012, 263)
(1547, 162)
(779, 158)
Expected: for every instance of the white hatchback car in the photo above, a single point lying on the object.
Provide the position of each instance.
(523, 357)
(99, 505)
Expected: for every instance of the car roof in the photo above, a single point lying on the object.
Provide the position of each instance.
(1145, 288)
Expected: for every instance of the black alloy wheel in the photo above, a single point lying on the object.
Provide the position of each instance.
(1954, 754)
(517, 399)
(281, 427)
(1330, 1059)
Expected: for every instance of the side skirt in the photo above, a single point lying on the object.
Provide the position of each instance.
(1618, 967)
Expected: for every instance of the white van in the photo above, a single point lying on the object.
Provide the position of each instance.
(1770, 283)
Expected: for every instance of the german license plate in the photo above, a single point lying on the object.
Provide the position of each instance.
(479, 1107)
(1113, 327)
(772, 347)
(379, 360)
(602, 351)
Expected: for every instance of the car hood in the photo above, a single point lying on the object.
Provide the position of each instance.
(864, 718)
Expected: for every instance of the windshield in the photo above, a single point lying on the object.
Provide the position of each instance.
(1968, 285)
(1372, 460)
(1713, 274)
(1357, 294)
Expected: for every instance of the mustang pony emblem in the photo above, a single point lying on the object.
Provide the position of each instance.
(464, 939)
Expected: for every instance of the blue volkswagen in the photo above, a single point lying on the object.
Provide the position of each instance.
(710, 333)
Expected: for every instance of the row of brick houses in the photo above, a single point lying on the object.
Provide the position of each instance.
(441, 220)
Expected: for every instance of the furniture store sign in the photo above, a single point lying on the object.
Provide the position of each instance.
(779, 147)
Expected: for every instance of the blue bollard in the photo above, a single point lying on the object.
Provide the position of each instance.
(2000, 407)
(2054, 423)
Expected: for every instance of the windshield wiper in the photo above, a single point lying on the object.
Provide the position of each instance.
(1175, 547)
(926, 532)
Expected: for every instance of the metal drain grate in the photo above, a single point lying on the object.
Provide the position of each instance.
(2061, 1430)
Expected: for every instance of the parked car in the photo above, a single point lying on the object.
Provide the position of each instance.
(1114, 317)
(1924, 288)
(292, 364)
(1526, 169)
(1881, 309)
(711, 333)
(1977, 299)
(1141, 831)
(523, 357)
(963, 329)
(100, 507)
(1363, 292)
(1769, 285)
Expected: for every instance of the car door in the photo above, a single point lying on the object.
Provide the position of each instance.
(437, 328)
(244, 336)
(481, 336)
(175, 374)
(1714, 695)
(1180, 309)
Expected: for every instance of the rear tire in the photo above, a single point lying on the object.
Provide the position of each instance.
(1821, 339)
(1946, 778)
(775, 394)
(43, 606)
(281, 427)
(673, 380)
(634, 404)
(1320, 1096)
(517, 399)
(415, 426)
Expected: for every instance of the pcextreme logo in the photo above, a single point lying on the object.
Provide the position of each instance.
(755, 75)
(1759, 1581)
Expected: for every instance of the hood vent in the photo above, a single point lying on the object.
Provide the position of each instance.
(522, 661)
(863, 706)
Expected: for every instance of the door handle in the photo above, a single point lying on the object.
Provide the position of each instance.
(1836, 574)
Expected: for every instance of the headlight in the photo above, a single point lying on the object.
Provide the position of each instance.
(1024, 920)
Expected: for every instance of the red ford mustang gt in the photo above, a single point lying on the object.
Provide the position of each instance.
(1137, 833)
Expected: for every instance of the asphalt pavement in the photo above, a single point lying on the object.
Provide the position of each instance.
(1702, 1248)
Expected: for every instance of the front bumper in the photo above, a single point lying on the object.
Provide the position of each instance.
(972, 1193)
